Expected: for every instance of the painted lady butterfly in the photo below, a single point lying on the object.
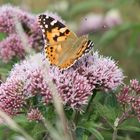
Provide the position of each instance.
(62, 47)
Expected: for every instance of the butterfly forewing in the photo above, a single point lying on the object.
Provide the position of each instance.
(53, 30)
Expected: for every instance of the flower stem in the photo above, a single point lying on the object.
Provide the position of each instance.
(119, 121)
(91, 99)
(76, 117)
(114, 137)
(77, 113)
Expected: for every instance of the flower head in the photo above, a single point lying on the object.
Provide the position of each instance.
(101, 72)
(11, 47)
(95, 22)
(11, 96)
(74, 85)
(34, 115)
(32, 72)
(136, 107)
(134, 84)
(73, 88)
(6, 20)
(113, 18)
(90, 23)
(130, 97)
(9, 17)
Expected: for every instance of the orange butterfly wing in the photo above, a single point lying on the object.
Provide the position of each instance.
(62, 47)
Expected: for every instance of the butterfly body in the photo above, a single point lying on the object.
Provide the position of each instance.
(62, 47)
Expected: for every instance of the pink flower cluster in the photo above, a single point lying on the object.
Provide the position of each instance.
(12, 45)
(101, 72)
(34, 115)
(12, 98)
(27, 80)
(130, 97)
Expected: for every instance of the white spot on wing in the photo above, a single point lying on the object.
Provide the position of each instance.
(46, 26)
(41, 26)
(62, 30)
(43, 30)
(53, 22)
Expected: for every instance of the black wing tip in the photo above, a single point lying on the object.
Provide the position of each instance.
(45, 16)
(42, 16)
(90, 43)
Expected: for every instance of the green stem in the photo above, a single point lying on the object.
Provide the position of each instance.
(119, 121)
(76, 117)
(114, 137)
(90, 101)
(77, 113)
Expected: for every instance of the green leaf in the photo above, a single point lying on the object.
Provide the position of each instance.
(96, 133)
(21, 119)
(91, 128)
(4, 71)
(2, 36)
(129, 128)
(110, 35)
(106, 112)
(37, 131)
(80, 132)
(6, 67)
(85, 137)
(110, 100)
(133, 42)
(92, 125)
(84, 6)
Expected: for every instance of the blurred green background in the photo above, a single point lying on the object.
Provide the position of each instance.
(122, 42)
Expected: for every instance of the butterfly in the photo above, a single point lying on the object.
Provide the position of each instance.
(62, 46)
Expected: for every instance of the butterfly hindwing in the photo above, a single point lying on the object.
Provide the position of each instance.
(74, 51)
